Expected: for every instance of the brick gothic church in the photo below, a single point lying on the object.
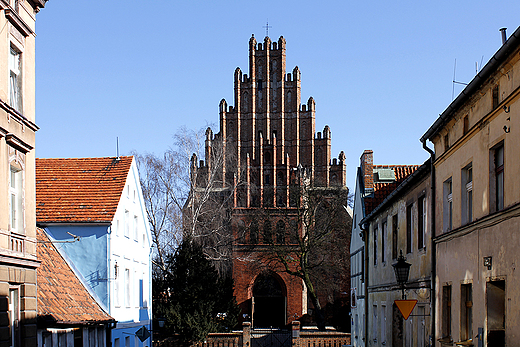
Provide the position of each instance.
(267, 139)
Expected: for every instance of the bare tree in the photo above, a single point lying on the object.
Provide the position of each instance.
(159, 178)
(188, 197)
(309, 240)
(207, 211)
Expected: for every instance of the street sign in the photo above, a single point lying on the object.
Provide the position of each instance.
(405, 306)
(142, 333)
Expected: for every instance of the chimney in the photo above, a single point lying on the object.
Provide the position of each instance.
(367, 170)
(504, 35)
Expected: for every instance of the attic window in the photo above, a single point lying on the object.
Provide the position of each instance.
(384, 175)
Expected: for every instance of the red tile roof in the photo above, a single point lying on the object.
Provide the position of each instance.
(79, 189)
(62, 298)
(383, 189)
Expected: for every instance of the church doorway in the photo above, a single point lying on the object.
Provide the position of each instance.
(269, 302)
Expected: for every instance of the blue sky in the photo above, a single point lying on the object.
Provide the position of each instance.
(380, 72)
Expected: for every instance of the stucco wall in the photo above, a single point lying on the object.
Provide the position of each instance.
(385, 323)
(88, 255)
(356, 269)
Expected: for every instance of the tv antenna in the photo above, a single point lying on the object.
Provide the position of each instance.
(267, 26)
(454, 81)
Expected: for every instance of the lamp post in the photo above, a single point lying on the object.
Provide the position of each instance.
(402, 270)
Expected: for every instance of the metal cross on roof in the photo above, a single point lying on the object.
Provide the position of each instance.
(267, 26)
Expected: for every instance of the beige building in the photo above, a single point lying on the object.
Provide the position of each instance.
(18, 261)
(477, 207)
(398, 224)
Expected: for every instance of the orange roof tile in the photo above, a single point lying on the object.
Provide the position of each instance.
(79, 189)
(62, 298)
(383, 189)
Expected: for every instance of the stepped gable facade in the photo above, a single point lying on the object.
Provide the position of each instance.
(269, 143)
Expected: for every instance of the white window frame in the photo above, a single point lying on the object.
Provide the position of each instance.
(127, 223)
(117, 287)
(128, 296)
(15, 75)
(136, 228)
(16, 203)
(14, 315)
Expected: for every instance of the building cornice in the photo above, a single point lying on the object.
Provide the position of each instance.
(17, 143)
(413, 284)
(484, 222)
(15, 19)
(19, 261)
(37, 4)
(18, 116)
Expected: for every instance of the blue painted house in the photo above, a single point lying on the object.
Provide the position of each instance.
(94, 209)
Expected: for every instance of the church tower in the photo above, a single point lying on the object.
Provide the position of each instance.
(268, 141)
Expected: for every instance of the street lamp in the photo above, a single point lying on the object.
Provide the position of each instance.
(402, 270)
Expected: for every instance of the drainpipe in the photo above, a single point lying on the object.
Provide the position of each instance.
(109, 268)
(433, 251)
(364, 230)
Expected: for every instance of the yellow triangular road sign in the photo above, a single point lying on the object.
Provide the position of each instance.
(406, 307)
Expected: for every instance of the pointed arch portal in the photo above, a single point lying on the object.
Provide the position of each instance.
(269, 301)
